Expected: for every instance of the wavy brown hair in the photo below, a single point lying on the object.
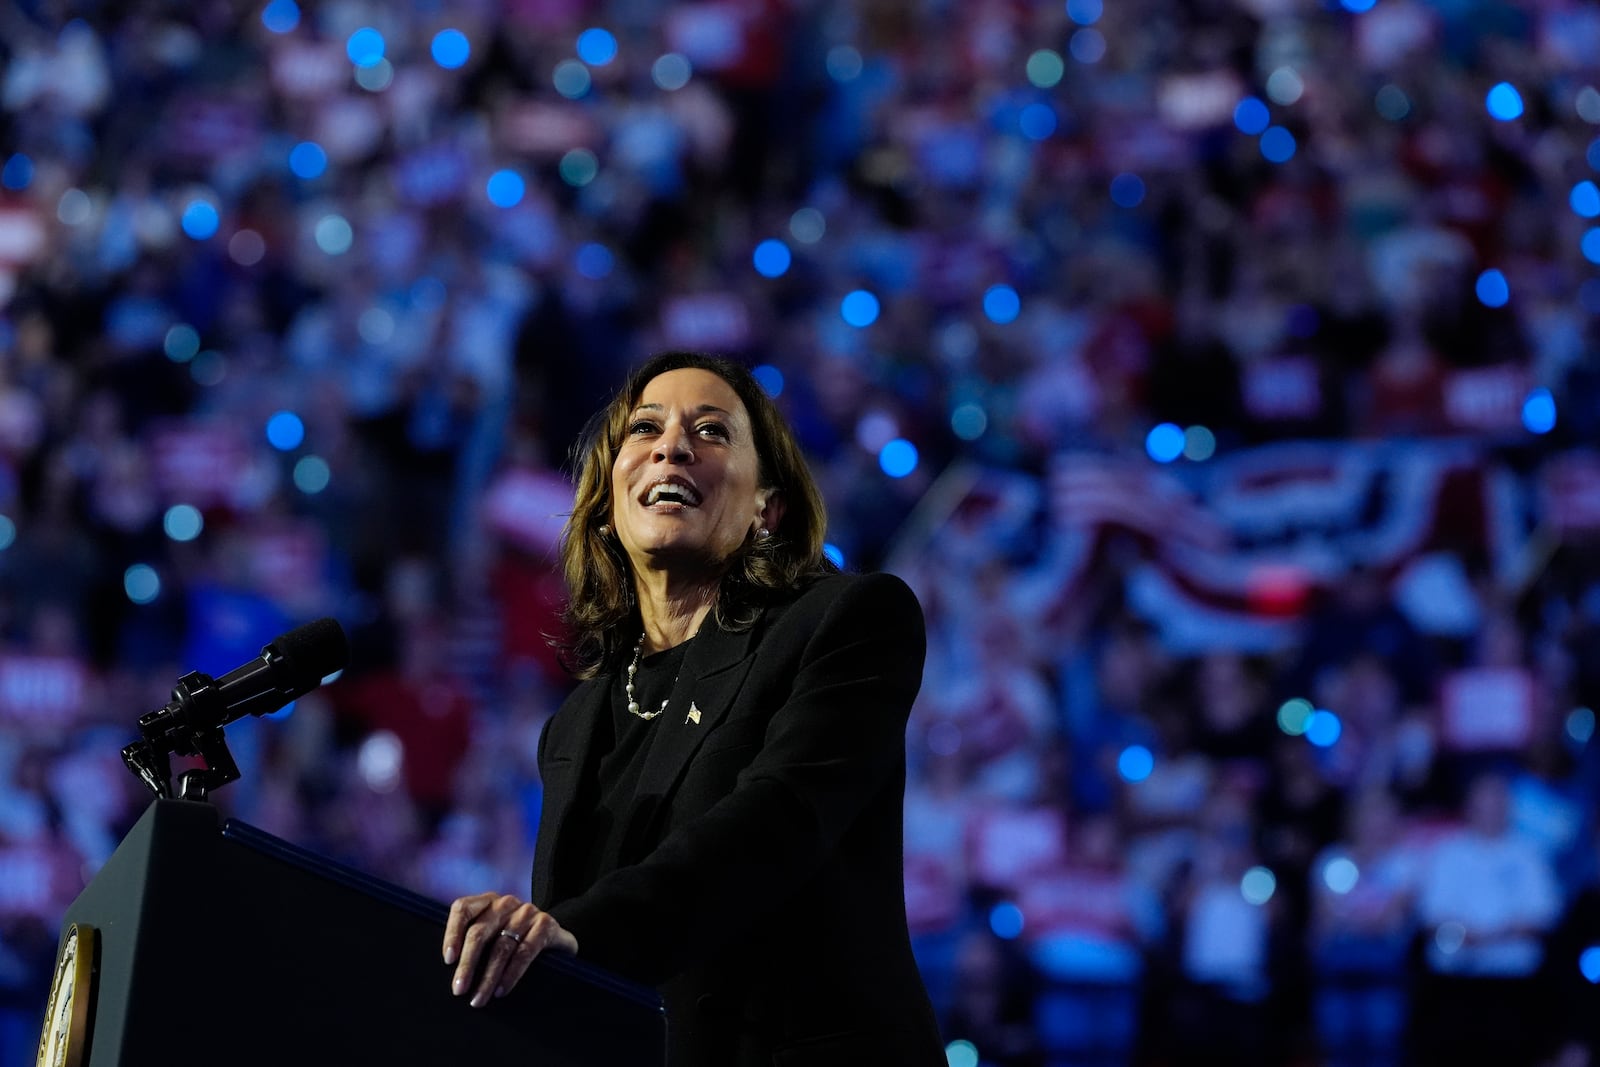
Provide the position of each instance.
(601, 614)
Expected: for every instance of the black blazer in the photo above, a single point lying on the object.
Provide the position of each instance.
(762, 882)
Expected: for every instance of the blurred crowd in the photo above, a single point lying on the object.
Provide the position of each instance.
(1221, 375)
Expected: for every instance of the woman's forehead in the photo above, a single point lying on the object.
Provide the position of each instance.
(691, 388)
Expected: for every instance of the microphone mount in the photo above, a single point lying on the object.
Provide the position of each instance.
(178, 729)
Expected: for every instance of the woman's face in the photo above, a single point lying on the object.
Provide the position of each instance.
(685, 487)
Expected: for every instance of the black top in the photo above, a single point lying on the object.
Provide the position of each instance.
(620, 744)
(759, 885)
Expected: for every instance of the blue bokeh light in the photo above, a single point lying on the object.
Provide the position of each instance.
(505, 188)
(1580, 725)
(969, 421)
(1504, 102)
(1127, 190)
(281, 16)
(1001, 304)
(1045, 69)
(1277, 145)
(365, 47)
(1591, 244)
(1005, 919)
(8, 532)
(1392, 103)
(898, 458)
(1251, 116)
(200, 220)
(1135, 763)
(141, 583)
(182, 342)
(597, 46)
(1199, 444)
(1341, 875)
(1324, 728)
(1037, 121)
(671, 72)
(1358, 7)
(308, 160)
(1593, 155)
(859, 308)
(1258, 886)
(334, 234)
(285, 431)
(595, 261)
(834, 553)
(961, 1054)
(572, 79)
(1294, 715)
(578, 167)
(1589, 964)
(1585, 199)
(312, 475)
(1539, 411)
(1165, 443)
(1085, 12)
(844, 63)
(451, 49)
(772, 258)
(1493, 289)
(770, 379)
(183, 522)
(1087, 46)
(17, 174)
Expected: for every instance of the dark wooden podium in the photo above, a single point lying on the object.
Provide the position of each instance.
(220, 944)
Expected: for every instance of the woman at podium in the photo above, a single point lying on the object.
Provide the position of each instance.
(723, 791)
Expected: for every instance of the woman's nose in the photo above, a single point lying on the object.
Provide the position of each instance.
(673, 444)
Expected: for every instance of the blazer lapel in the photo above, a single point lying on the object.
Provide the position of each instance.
(563, 773)
(710, 678)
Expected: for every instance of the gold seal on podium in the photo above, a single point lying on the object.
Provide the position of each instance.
(66, 1017)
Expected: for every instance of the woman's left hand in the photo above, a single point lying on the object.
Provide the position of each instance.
(496, 937)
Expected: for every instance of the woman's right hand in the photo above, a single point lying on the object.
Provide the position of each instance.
(493, 938)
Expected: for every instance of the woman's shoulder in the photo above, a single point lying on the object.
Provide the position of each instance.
(873, 594)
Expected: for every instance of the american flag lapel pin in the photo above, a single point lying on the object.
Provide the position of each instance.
(694, 714)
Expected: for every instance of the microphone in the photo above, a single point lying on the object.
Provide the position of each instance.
(290, 666)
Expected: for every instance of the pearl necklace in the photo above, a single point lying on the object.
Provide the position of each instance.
(633, 705)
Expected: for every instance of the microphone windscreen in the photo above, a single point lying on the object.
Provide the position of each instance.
(312, 652)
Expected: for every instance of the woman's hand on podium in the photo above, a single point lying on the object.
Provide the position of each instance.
(496, 937)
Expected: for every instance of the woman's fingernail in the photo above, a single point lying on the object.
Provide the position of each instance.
(500, 991)
(478, 1001)
(459, 986)
(450, 955)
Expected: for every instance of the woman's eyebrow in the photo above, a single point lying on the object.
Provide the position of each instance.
(703, 409)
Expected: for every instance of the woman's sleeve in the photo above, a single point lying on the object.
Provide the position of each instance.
(834, 744)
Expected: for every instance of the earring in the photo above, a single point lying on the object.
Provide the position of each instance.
(604, 529)
(763, 533)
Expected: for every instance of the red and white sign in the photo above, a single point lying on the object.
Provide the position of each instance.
(529, 508)
(42, 691)
(201, 465)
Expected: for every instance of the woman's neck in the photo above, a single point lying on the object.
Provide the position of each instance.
(672, 611)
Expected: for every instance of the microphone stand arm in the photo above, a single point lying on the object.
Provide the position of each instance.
(188, 726)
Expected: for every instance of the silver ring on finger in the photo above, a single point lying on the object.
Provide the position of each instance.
(512, 934)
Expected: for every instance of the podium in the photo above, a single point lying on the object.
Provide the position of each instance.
(203, 942)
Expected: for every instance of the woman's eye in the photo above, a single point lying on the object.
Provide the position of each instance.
(716, 429)
(642, 426)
